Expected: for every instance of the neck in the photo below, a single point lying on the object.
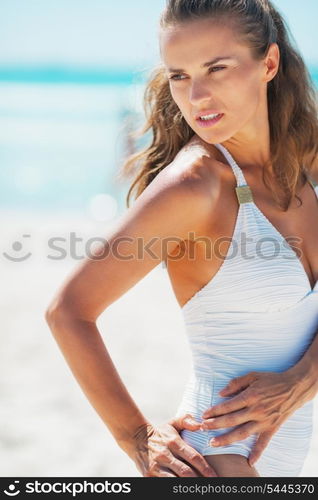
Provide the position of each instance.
(250, 153)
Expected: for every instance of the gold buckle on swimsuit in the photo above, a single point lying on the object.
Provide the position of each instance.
(244, 194)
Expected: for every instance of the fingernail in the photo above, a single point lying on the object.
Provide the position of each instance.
(213, 442)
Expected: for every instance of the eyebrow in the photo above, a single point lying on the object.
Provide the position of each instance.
(204, 65)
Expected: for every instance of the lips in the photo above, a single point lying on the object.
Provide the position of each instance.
(210, 122)
(207, 112)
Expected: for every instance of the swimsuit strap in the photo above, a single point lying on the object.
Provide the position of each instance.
(243, 190)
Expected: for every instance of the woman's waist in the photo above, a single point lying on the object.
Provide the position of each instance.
(232, 356)
(202, 389)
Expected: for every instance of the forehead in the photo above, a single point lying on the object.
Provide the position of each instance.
(194, 41)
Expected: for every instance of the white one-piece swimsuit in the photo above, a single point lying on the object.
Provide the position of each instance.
(257, 313)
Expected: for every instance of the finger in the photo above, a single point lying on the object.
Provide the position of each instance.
(168, 460)
(186, 421)
(229, 420)
(238, 384)
(186, 452)
(236, 403)
(238, 434)
(260, 445)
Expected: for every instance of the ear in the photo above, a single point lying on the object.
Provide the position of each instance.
(271, 62)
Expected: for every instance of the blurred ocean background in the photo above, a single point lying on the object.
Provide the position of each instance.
(72, 75)
(63, 120)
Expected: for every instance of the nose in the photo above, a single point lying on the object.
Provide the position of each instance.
(199, 92)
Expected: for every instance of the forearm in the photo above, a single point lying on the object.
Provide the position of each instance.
(85, 352)
(305, 372)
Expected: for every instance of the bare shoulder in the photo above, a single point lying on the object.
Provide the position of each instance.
(185, 189)
(196, 173)
(196, 167)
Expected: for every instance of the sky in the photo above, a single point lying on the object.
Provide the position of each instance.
(122, 33)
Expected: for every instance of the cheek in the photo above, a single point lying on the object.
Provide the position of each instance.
(178, 96)
(249, 86)
(243, 96)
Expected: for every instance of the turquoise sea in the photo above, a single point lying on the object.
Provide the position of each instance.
(63, 136)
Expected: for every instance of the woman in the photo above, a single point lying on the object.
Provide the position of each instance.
(233, 115)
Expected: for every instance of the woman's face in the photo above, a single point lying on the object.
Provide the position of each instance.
(235, 85)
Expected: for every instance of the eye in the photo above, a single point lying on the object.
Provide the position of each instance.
(217, 67)
(176, 77)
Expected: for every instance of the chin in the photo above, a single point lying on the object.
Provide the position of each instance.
(211, 138)
(216, 138)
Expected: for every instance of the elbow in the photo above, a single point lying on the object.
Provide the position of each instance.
(58, 318)
(48, 315)
(54, 312)
(58, 314)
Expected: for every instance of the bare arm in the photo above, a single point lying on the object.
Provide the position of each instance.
(165, 212)
(85, 352)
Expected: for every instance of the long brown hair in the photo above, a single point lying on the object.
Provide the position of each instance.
(291, 94)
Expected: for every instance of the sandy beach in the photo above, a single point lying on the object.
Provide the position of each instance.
(48, 427)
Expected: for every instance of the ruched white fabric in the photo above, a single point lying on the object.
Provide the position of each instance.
(257, 313)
